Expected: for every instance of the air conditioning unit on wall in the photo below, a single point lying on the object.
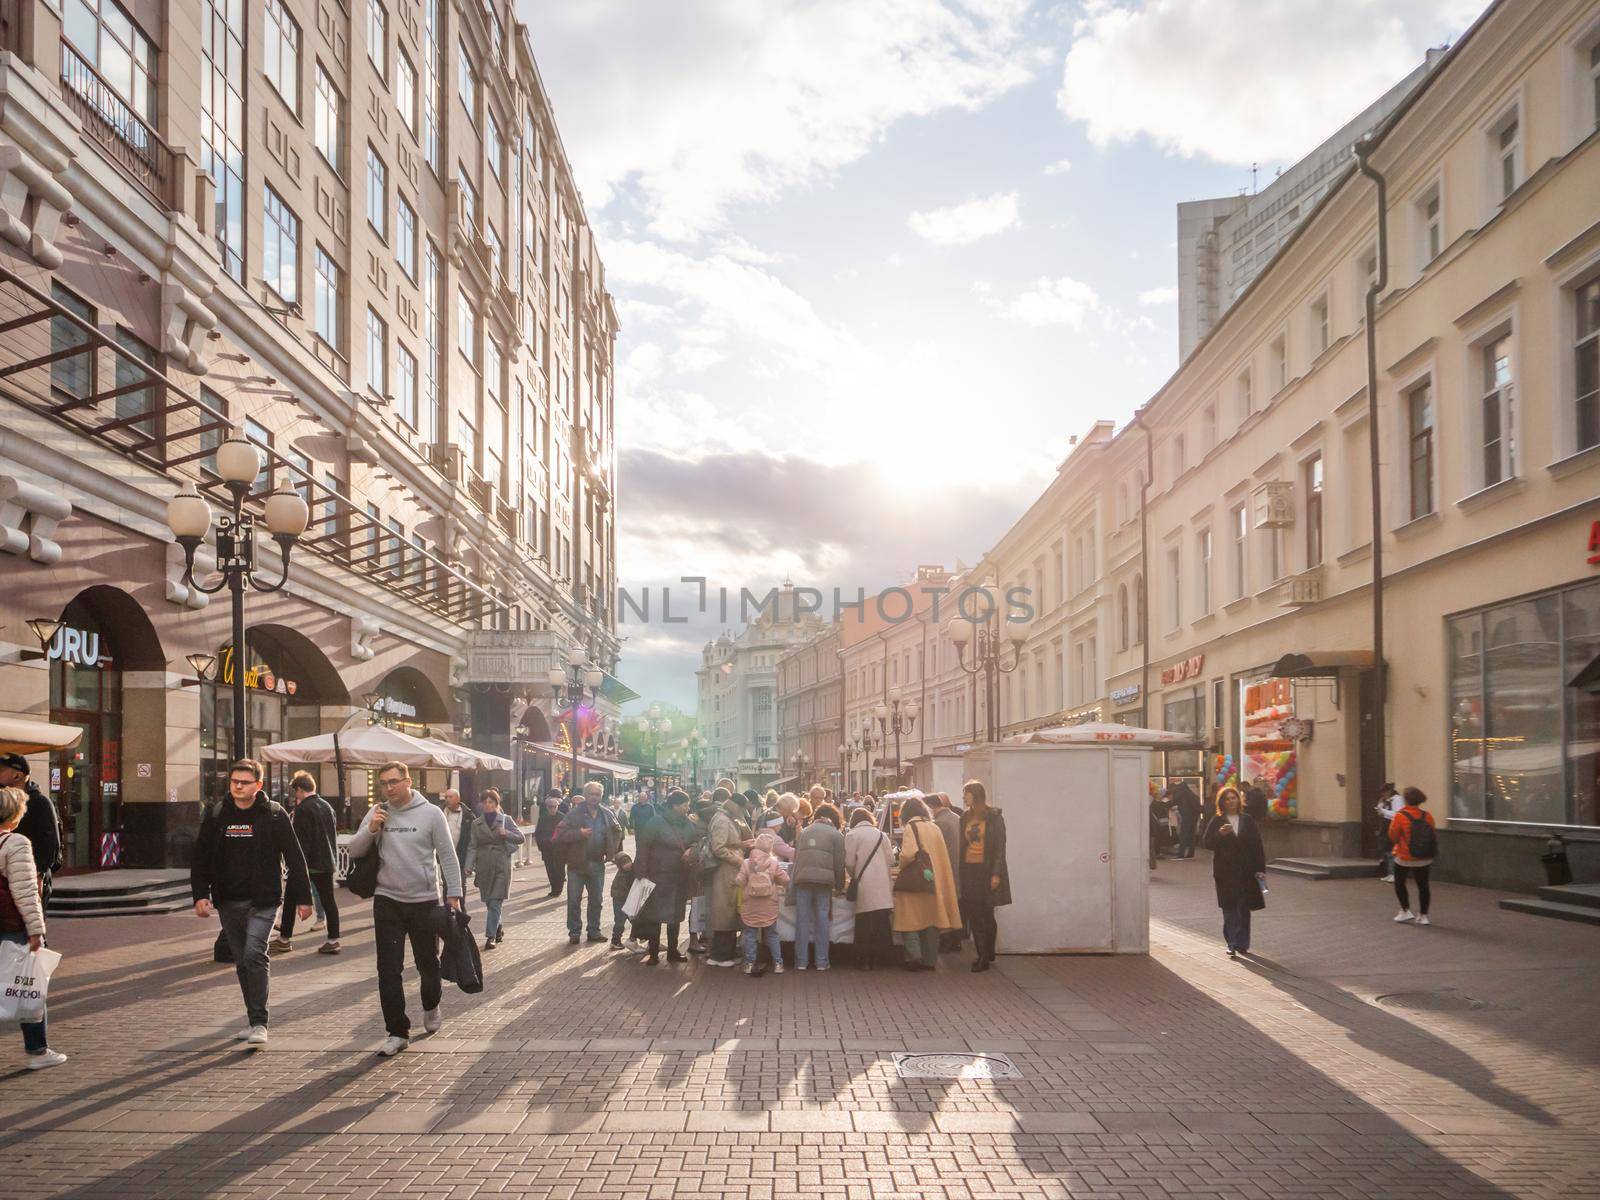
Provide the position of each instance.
(1272, 505)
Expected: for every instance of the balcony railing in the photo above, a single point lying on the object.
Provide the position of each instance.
(127, 140)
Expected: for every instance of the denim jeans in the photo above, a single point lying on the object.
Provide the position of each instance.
(812, 924)
(752, 941)
(491, 920)
(247, 929)
(33, 1032)
(593, 880)
(619, 919)
(922, 945)
(1236, 927)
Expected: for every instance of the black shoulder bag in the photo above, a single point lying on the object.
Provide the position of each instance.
(363, 877)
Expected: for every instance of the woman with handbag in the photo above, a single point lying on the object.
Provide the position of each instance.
(1238, 868)
(494, 838)
(866, 857)
(22, 912)
(985, 880)
(667, 858)
(925, 897)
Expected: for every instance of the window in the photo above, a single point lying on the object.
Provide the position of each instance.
(467, 439)
(467, 82)
(405, 384)
(212, 438)
(328, 121)
(1505, 148)
(1430, 218)
(1239, 528)
(329, 321)
(1311, 481)
(1174, 586)
(282, 53)
(1280, 362)
(377, 193)
(1123, 632)
(469, 196)
(497, 251)
(405, 236)
(1246, 403)
(1203, 572)
(1498, 413)
(405, 91)
(1594, 83)
(1208, 428)
(378, 36)
(1586, 350)
(1320, 333)
(466, 327)
(377, 354)
(430, 83)
(222, 128)
(1419, 428)
(106, 38)
(493, 148)
(72, 376)
(494, 414)
(280, 248)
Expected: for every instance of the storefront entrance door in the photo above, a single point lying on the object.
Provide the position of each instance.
(86, 795)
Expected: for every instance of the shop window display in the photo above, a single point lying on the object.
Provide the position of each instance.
(1268, 756)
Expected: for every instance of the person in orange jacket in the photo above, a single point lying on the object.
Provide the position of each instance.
(1416, 844)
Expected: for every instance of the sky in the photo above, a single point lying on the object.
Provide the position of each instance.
(876, 261)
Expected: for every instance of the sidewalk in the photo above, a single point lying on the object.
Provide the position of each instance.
(1355, 1058)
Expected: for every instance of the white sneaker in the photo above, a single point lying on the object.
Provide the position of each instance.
(432, 1018)
(257, 1036)
(777, 968)
(799, 966)
(1388, 879)
(1423, 920)
(319, 923)
(50, 1058)
(721, 962)
(1403, 916)
(393, 1045)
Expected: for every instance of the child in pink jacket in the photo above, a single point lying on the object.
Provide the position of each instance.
(763, 880)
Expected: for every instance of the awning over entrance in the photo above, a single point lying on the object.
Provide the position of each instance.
(617, 769)
(1325, 663)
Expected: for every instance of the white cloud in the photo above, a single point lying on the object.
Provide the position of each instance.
(1062, 301)
(1160, 295)
(1240, 81)
(1060, 167)
(980, 217)
(695, 107)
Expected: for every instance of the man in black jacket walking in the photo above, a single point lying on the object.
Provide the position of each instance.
(317, 832)
(244, 846)
(38, 823)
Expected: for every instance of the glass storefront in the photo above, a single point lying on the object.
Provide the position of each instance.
(1182, 712)
(86, 781)
(272, 715)
(1524, 744)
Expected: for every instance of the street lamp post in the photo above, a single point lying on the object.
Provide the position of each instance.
(581, 679)
(696, 746)
(651, 726)
(866, 741)
(238, 462)
(898, 716)
(989, 657)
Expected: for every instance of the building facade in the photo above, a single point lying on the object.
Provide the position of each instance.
(811, 712)
(737, 707)
(1224, 243)
(350, 233)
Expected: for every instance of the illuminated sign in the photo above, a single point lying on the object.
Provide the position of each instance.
(1189, 668)
(79, 647)
(261, 679)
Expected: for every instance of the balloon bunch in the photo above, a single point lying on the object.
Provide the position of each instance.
(1224, 771)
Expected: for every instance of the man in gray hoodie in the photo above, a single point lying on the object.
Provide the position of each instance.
(414, 848)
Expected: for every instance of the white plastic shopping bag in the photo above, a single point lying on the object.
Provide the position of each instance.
(637, 895)
(24, 981)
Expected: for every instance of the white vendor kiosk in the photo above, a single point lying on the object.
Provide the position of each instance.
(1077, 806)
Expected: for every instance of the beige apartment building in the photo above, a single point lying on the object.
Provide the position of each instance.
(348, 229)
(810, 700)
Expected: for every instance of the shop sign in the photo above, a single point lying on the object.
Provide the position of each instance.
(1189, 668)
(396, 708)
(80, 647)
(1125, 695)
(260, 679)
(1594, 544)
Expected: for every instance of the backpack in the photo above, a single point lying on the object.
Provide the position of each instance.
(1421, 840)
(758, 885)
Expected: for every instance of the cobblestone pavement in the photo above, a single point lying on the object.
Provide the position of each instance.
(1353, 1057)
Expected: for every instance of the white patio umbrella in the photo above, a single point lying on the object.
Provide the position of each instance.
(473, 759)
(364, 746)
(1106, 733)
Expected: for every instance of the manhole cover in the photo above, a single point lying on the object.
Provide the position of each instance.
(1439, 1000)
(956, 1066)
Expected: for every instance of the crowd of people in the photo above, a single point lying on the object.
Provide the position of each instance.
(901, 878)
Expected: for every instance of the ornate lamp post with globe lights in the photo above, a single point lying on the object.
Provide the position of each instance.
(695, 746)
(898, 716)
(579, 682)
(982, 636)
(800, 761)
(651, 727)
(189, 517)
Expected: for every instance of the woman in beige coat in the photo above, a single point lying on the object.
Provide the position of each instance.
(726, 839)
(919, 917)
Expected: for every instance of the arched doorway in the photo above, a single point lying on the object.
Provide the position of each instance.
(288, 681)
(104, 633)
(408, 700)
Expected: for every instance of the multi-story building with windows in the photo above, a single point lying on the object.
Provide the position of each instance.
(349, 231)
(811, 711)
